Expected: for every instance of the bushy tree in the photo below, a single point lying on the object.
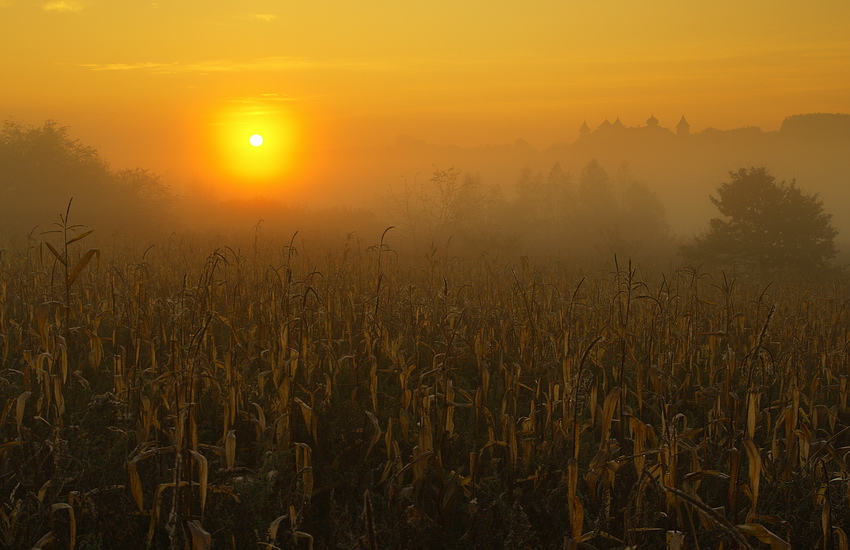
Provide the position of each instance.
(451, 205)
(550, 215)
(767, 225)
(597, 214)
(42, 167)
(543, 203)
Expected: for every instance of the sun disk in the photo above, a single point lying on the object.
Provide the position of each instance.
(252, 146)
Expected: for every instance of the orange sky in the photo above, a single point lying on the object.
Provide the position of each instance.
(178, 86)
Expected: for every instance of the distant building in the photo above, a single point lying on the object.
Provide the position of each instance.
(815, 127)
(617, 131)
(683, 128)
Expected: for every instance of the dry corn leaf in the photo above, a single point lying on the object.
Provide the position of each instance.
(297, 535)
(841, 537)
(376, 432)
(48, 538)
(82, 264)
(753, 400)
(20, 406)
(43, 490)
(273, 528)
(230, 449)
(60, 257)
(754, 465)
(72, 535)
(136, 485)
(762, 534)
(80, 237)
(203, 477)
(201, 538)
(304, 464)
(609, 406)
(675, 540)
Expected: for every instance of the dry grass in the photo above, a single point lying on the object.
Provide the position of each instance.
(279, 398)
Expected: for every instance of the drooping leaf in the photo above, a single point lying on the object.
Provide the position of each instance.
(82, 264)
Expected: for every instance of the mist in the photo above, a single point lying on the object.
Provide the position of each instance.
(683, 169)
(637, 190)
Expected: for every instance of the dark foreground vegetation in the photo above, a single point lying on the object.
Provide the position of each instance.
(276, 395)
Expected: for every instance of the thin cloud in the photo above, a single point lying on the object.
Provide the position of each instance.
(265, 64)
(64, 6)
(264, 98)
(266, 17)
(272, 102)
(261, 64)
(125, 66)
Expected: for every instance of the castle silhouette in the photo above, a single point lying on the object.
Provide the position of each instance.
(830, 126)
(618, 129)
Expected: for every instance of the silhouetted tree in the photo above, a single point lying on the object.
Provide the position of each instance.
(597, 214)
(543, 205)
(41, 168)
(450, 205)
(638, 222)
(767, 224)
(150, 198)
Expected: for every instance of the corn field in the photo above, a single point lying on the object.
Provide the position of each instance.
(276, 396)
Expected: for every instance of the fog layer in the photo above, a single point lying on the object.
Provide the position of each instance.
(640, 189)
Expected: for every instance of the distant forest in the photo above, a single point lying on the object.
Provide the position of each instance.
(596, 209)
(553, 213)
(43, 167)
(682, 166)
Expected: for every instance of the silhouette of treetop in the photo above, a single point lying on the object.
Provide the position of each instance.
(767, 224)
(42, 167)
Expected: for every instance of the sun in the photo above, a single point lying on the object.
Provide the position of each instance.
(254, 146)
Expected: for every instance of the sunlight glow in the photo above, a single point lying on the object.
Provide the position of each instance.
(265, 158)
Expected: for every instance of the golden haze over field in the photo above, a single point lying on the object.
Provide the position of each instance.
(178, 87)
(424, 275)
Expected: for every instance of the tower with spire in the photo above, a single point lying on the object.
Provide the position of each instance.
(618, 132)
(683, 128)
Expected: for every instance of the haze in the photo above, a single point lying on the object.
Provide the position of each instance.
(360, 98)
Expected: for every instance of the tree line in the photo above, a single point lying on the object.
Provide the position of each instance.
(42, 167)
(764, 225)
(549, 214)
